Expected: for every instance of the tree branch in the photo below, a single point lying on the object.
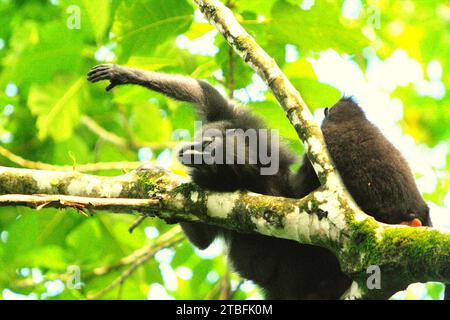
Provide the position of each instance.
(403, 253)
(119, 141)
(169, 239)
(133, 261)
(87, 167)
(80, 203)
(103, 133)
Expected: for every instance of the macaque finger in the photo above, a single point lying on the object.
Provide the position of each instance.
(110, 86)
(102, 75)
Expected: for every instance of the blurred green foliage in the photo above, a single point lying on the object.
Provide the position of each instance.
(44, 97)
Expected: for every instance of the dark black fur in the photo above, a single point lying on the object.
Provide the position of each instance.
(372, 169)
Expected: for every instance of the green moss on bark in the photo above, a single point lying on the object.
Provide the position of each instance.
(244, 221)
(194, 196)
(424, 251)
(150, 182)
(10, 184)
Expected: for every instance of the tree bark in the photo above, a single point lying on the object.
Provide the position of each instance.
(404, 254)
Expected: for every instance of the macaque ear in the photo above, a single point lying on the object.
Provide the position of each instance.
(413, 223)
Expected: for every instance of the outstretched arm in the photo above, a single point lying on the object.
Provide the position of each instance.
(212, 105)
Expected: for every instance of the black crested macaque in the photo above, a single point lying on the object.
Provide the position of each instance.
(373, 170)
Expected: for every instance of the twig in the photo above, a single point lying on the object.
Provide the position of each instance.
(130, 259)
(222, 288)
(136, 223)
(119, 141)
(230, 4)
(79, 203)
(236, 290)
(119, 293)
(230, 73)
(214, 291)
(104, 270)
(88, 167)
(102, 132)
(225, 286)
(169, 239)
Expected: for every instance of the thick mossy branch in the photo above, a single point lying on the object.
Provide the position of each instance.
(26, 181)
(404, 254)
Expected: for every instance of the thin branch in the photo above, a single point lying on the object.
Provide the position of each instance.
(222, 289)
(136, 224)
(225, 286)
(120, 291)
(214, 291)
(174, 233)
(88, 167)
(119, 141)
(230, 5)
(169, 239)
(102, 132)
(80, 203)
(230, 73)
(236, 290)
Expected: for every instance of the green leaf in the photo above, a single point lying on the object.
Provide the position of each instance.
(198, 29)
(48, 257)
(242, 73)
(91, 245)
(98, 13)
(183, 117)
(56, 107)
(316, 94)
(40, 51)
(313, 30)
(258, 6)
(141, 25)
(23, 235)
(150, 124)
(95, 16)
(425, 118)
